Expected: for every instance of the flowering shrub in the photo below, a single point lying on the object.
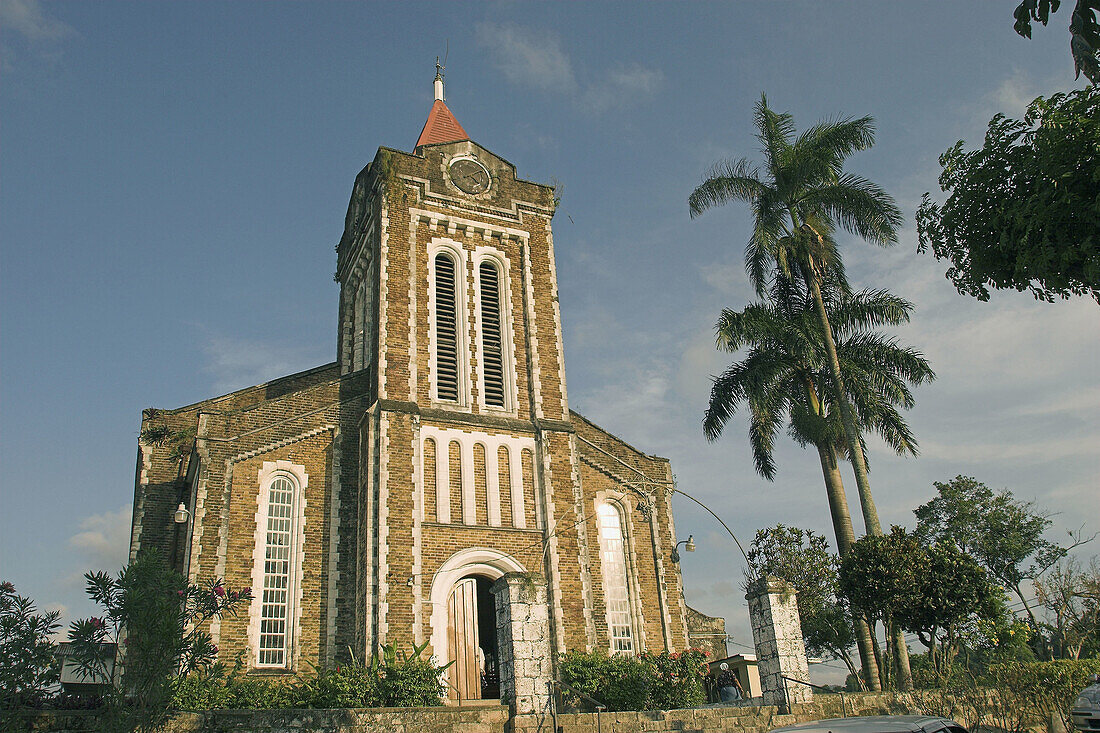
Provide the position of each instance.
(153, 617)
(648, 681)
(28, 667)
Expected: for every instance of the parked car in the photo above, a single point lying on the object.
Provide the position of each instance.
(877, 724)
(1086, 711)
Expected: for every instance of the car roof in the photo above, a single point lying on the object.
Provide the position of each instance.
(871, 724)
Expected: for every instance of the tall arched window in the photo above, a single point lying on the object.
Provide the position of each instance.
(278, 573)
(446, 327)
(620, 623)
(492, 337)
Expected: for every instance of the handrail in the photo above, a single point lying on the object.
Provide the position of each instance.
(600, 707)
(843, 707)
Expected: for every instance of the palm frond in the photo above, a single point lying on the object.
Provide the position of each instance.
(868, 309)
(774, 131)
(826, 145)
(858, 206)
(727, 181)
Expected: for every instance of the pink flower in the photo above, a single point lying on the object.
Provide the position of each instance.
(247, 591)
(215, 648)
(180, 593)
(97, 623)
(219, 591)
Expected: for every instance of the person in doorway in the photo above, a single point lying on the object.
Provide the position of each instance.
(729, 687)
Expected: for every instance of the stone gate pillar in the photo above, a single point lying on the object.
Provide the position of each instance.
(523, 640)
(780, 651)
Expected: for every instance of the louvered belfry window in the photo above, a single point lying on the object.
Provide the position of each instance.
(446, 328)
(492, 341)
(275, 609)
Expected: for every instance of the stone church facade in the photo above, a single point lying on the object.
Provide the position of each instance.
(431, 485)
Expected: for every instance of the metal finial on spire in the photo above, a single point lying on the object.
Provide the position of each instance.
(439, 69)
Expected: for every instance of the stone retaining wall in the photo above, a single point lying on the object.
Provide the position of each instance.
(719, 718)
(485, 718)
(465, 719)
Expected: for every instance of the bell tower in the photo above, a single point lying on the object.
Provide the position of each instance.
(448, 299)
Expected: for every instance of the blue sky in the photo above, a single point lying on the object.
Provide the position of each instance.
(174, 177)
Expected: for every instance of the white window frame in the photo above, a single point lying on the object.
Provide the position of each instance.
(629, 586)
(299, 479)
(508, 359)
(455, 250)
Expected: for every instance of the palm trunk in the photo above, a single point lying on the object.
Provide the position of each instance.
(903, 673)
(851, 432)
(845, 536)
(859, 465)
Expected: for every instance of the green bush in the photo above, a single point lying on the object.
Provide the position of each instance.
(412, 682)
(392, 679)
(1047, 688)
(648, 681)
(213, 689)
(28, 667)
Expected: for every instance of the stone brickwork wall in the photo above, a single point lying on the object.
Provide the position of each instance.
(523, 628)
(726, 718)
(780, 650)
(707, 633)
(480, 719)
(390, 504)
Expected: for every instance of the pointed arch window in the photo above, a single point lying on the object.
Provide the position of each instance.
(446, 327)
(620, 621)
(492, 334)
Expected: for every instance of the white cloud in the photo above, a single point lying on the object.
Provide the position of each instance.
(621, 88)
(235, 363)
(104, 539)
(527, 57)
(26, 18)
(532, 58)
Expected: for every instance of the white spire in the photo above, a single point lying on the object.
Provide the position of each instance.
(438, 80)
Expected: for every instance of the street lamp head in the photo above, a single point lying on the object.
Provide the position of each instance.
(182, 515)
(690, 544)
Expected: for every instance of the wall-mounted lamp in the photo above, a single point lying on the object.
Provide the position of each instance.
(182, 515)
(689, 545)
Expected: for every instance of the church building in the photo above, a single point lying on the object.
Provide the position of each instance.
(431, 485)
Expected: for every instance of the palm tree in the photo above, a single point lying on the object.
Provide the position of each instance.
(803, 195)
(779, 380)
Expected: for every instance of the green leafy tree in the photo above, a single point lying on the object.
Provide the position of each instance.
(781, 380)
(28, 665)
(1023, 212)
(880, 577)
(155, 619)
(798, 199)
(954, 595)
(802, 558)
(1084, 31)
(1003, 534)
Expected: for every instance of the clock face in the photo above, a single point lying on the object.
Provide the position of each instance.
(470, 176)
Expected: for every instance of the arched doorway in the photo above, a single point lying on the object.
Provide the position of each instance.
(472, 641)
(464, 625)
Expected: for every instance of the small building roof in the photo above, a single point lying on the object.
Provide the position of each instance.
(441, 127)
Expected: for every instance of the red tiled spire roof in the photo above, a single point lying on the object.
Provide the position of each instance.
(441, 127)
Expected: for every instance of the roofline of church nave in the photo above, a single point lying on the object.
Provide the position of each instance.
(558, 424)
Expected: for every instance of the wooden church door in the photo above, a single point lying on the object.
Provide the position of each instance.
(462, 642)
